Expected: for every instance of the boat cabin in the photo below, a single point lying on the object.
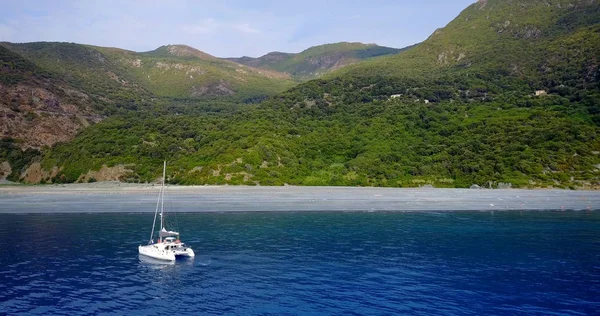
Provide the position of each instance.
(171, 240)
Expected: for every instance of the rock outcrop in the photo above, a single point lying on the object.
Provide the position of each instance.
(5, 170)
(39, 117)
(36, 174)
(116, 173)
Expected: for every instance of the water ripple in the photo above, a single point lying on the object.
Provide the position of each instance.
(306, 263)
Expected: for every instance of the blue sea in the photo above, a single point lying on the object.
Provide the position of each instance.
(305, 263)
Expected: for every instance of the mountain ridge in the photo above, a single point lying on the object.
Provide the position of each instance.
(179, 50)
(479, 32)
(168, 71)
(317, 60)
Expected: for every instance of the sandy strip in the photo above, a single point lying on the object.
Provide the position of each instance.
(121, 197)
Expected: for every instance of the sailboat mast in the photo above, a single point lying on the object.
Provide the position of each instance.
(162, 200)
(155, 213)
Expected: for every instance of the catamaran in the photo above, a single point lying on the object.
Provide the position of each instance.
(168, 246)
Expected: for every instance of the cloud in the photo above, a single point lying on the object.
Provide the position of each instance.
(245, 28)
(208, 26)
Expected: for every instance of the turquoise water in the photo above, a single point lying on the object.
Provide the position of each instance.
(336, 263)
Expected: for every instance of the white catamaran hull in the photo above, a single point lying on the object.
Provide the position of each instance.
(153, 251)
(157, 252)
(168, 247)
(185, 253)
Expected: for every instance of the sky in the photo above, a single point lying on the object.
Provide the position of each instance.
(226, 28)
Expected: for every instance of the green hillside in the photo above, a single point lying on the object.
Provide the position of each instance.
(184, 72)
(49, 92)
(458, 109)
(533, 44)
(173, 71)
(317, 60)
(85, 69)
(37, 109)
(14, 68)
(382, 143)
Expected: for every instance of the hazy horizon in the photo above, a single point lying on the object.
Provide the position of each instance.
(226, 29)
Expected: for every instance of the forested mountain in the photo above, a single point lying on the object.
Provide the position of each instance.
(318, 60)
(37, 107)
(50, 91)
(106, 81)
(508, 92)
(176, 71)
(533, 44)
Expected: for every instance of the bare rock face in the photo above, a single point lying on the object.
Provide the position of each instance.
(448, 57)
(332, 61)
(29, 111)
(35, 173)
(5, 170)
(215, 89)
(166, 66)
(116, 173)
(528, 33)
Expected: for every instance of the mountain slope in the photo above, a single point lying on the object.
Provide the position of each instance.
(173, 71)
(87, 70)
(49, 92)
(182, 71)
(37, 110)
(317, 60)
(448, 112)
(458, 109)
(534, 42)
(36, 107)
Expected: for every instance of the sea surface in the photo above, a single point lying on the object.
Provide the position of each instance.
(305, 263)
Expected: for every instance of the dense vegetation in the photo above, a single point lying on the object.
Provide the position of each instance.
(401, 142)
(458, 109)
(18, 159)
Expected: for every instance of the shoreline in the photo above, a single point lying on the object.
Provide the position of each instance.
(121, 186)
(125, 197)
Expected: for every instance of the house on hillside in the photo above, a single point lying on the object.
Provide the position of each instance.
(540, 93)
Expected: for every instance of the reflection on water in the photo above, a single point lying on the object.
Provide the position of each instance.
(154, 263)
